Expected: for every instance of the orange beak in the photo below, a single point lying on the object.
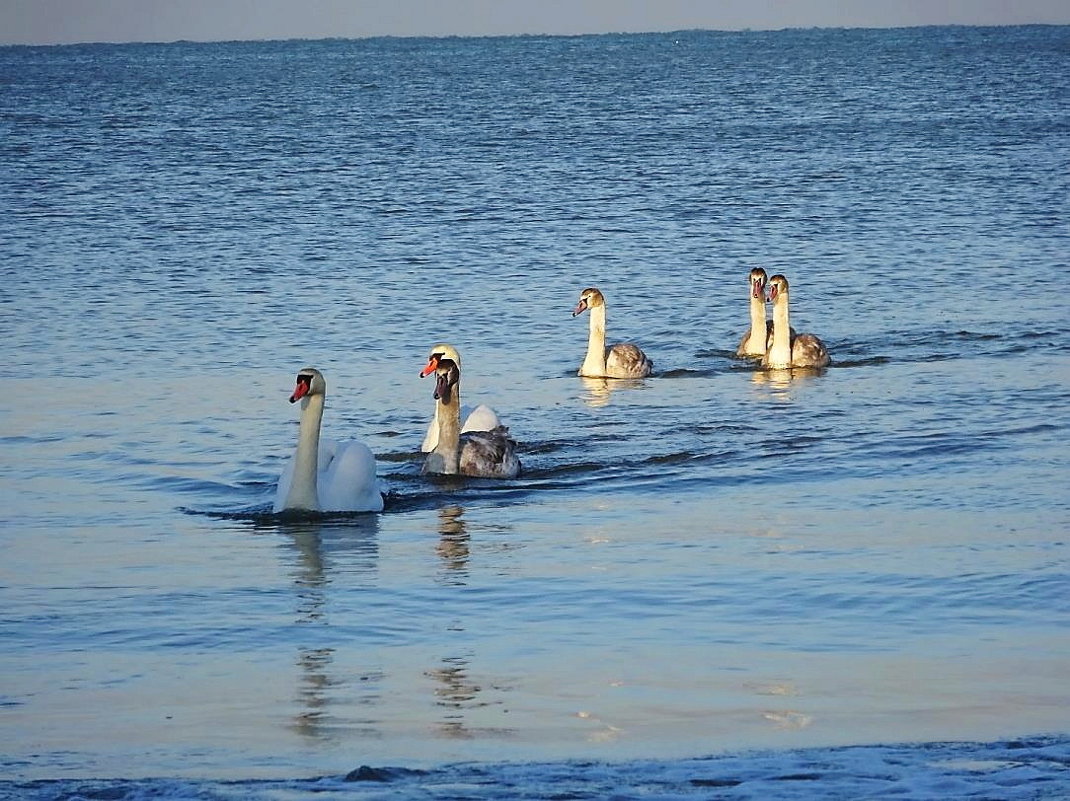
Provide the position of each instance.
(432, 365)
(302, 388)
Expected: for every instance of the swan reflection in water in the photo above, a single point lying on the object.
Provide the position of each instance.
(597, 391)
(453, 544)
(322, 548)
(330, 676)
(779, 383)
(457, 694)
(461, 696)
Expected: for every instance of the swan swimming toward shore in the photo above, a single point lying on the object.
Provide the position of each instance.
(758, 337)
(622, 360)
(324, 475)
(788, 350)
(488, 453)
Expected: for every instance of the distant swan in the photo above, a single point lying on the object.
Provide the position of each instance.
(485, 454)
(759, 337)
(325, 475)
(803, 350)
(616, 361)
(754, 341)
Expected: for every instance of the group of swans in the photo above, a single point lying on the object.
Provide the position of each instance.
(774, 341)
(328, 476)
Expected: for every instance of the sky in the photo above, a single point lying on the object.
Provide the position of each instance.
(70, 21)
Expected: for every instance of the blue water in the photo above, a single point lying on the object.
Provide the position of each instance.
(718, 577)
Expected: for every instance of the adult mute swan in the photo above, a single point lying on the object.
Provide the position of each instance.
(485, 454)
(324, 475)
(617, 361)
(786, 350)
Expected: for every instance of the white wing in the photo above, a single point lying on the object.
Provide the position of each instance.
(349, 483)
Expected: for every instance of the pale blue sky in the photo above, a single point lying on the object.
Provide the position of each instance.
(66, 21)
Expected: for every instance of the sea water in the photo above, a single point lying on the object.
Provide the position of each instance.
(715, 577)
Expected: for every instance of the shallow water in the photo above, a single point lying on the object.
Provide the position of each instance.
(713, 559)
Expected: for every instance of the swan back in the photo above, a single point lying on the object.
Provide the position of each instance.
(489, 454)
(348, 482)
(625, 360)
(809, 351)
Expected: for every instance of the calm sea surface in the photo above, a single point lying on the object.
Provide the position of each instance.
(711, 560)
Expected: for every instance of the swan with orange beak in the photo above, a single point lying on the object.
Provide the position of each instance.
(456, 450)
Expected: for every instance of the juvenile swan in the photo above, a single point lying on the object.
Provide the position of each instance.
(324, 475)
(616, 361)
(803, 350)
(756, 338)
(485, 454)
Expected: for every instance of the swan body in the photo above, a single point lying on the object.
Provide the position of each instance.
(622, 360)
(786, 350)
(457, 450)
(325, 475)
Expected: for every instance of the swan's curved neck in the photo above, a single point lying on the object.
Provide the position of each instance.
(304, 494)
(780, 351)
(446, 457)
(758, 333)
(594, 364)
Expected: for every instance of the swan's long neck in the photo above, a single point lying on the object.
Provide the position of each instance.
(304, 493)
(780, 353)
(448, 417)
(758, 333)
(594, 364)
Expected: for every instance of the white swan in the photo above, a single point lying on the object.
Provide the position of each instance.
(757, 338)
(786, 350)
(489, 453)
(617, 361)
(324, 475)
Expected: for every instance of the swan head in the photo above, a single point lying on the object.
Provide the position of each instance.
(589, 298)
(310, 381)
(445, 362)
(758, 280)
(778, 285)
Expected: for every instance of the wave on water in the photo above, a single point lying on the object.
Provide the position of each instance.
(1013, 770)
